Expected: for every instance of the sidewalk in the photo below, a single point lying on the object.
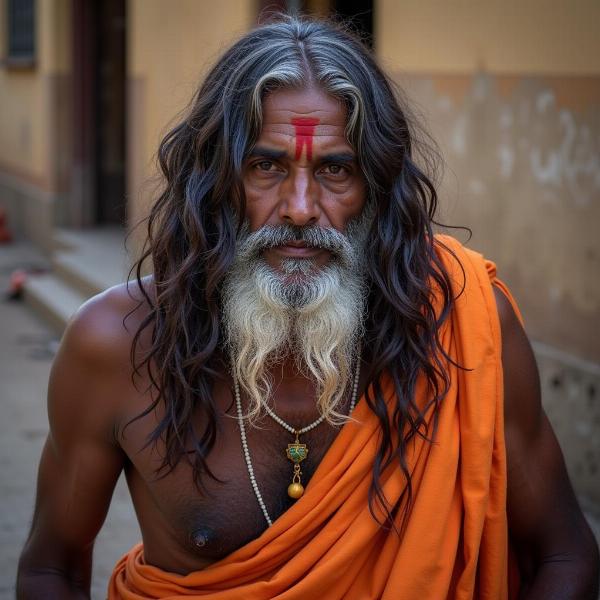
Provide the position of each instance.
(27, 347)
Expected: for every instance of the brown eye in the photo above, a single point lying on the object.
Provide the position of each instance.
(336, 170)
(264, 165)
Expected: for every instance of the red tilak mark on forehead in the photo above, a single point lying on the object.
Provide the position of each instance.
(305, 130)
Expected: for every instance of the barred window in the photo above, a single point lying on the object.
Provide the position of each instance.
(21, 31)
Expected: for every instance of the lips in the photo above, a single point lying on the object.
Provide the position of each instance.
(296, 244)
(299, 249)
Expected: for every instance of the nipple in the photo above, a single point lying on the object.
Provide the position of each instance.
(202, 536)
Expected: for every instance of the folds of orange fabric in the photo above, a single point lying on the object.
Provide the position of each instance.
(330, 545)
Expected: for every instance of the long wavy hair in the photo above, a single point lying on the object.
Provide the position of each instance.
(192, 231)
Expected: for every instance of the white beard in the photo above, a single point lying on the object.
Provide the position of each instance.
(313, 313)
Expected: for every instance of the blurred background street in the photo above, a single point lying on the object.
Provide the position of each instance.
(509, 90)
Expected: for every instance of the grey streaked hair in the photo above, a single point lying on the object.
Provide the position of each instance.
(326, 60)
(323, 70)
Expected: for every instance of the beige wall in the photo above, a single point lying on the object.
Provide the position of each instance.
(510, 36)
(34, 130)
(170, 47)
(27, 117)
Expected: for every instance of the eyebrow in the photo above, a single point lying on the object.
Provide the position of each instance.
(263, 152)
(340, 157)
(270, 153)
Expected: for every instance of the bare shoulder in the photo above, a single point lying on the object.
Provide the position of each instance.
(522, 397)
(556, 550)
(91, 378)
(103, 328)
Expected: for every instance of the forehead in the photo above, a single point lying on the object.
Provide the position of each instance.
(281, 106)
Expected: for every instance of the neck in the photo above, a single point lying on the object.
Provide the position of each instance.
(292, 390)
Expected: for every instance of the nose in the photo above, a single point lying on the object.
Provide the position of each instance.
(299, 202)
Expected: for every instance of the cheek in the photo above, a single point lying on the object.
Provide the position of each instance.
(260, 204)
(342, 208)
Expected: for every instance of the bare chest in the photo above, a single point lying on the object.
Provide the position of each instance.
(185, 528)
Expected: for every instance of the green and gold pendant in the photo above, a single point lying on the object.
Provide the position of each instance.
(296, 452)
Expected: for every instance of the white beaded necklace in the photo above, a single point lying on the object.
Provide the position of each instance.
(296, 452)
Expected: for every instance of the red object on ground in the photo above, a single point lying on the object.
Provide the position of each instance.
(16, 283)
(5, 234)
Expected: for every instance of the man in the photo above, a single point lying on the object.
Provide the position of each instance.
(327, 401)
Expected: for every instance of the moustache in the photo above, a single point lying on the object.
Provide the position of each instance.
(313, 236)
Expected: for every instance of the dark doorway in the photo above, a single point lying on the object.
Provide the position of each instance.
(99, 71)
(359, 13)
(110, 114)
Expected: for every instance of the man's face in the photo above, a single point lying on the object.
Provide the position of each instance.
(302, 171)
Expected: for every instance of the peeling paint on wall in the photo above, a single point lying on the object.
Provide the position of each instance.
(522, 171)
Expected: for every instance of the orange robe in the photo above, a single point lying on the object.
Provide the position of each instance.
(329, 546)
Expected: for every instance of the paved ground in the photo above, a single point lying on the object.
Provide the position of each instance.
(26, 350)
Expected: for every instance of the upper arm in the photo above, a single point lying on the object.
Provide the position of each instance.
(545, 521)
(81, 460)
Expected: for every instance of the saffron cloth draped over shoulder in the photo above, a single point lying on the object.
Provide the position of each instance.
(328, 545)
